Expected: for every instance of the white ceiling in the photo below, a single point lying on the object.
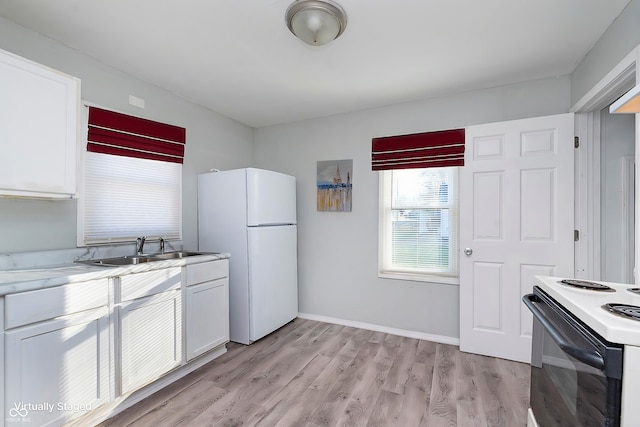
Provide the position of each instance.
(238, 58)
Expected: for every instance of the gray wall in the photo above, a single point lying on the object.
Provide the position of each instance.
(338, 252)
(617, 141)
(615, 44)
(622, 36)
(213, 141)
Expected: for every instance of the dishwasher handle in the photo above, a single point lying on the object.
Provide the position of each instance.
(589, 357)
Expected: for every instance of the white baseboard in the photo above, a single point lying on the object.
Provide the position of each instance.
(377, 328)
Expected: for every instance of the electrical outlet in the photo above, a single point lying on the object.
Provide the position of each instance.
(136, 102)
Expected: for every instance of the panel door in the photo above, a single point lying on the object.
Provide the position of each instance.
(207, 309)
(273, 278)
(151, 338)
(517, 217)
(58, 369)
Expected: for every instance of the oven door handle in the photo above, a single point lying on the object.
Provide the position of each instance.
(590, 357)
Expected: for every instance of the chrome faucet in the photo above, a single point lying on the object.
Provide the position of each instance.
(140, 244)
(161, 245)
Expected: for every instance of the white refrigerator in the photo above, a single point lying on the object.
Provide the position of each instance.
(251, 214)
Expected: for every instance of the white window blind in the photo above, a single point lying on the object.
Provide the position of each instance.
(419, 222)
(126, 197)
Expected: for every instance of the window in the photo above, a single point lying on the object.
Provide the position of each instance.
(419, 224)
(126, 197)
(132, 180)
(418, 237)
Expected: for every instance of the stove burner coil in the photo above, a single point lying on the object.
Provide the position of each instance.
(624, 310)
(583, 284)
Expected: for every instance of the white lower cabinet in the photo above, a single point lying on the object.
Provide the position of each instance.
(207, 316)
(207, 307)
(95, 346)
(60, 368)
(150, 327)
(151, 339)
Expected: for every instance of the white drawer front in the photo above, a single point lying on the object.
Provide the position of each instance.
(43, 304)
(206, 271)
(138, 285)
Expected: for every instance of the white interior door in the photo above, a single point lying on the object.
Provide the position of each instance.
(517, 213)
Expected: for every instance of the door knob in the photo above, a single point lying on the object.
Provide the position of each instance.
(468, 251)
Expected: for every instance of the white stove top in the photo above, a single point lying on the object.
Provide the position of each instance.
(587, 306)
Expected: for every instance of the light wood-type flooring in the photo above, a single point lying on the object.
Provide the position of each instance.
(315, 374)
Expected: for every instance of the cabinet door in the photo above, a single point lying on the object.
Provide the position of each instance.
(58, 369)
(150, 338)
(207, 308)
(38, 129)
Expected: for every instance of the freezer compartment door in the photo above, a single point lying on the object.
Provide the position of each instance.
(271, 198)
(273, 278)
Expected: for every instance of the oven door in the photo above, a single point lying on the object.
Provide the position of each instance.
(576, 376)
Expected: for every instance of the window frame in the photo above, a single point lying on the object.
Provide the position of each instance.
(81, 189)
(384, 236)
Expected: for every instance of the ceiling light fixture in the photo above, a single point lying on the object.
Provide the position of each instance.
(316, 22)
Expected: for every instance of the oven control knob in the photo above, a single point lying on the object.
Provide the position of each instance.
(468, 251)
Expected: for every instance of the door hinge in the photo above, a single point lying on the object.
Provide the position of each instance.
(576, 235)
(576, 141)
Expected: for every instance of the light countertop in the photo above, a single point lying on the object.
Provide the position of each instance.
(28, 279)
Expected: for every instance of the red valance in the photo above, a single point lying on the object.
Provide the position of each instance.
(418, 150)
(123, 135)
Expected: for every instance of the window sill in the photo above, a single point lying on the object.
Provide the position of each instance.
(446, 280)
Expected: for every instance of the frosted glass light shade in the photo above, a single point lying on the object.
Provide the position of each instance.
(316, 22)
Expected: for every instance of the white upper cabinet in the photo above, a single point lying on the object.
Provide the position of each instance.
(39, 110)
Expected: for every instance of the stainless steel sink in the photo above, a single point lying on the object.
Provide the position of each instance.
(139, 259)
(178, 255)
(120, 260)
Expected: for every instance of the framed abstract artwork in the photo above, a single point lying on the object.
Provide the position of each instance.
(334, 182)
